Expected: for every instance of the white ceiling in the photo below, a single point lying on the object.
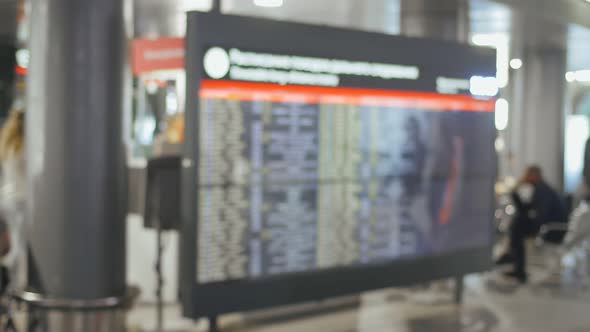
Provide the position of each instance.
(486, 16)
(374, 15)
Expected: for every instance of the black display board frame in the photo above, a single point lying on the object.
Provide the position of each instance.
(435, 58)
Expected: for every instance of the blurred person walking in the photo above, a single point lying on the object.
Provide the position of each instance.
(12, 194)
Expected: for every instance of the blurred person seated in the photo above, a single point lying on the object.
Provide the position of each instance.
(536, 204)
(586, 170)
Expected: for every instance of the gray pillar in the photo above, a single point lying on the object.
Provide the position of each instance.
(536, 95)
(537, 133)
(440, 19)
(76, 163)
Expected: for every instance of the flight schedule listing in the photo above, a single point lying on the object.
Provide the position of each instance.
(295, 179)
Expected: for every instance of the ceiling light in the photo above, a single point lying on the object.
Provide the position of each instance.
(582, 76)
(501, 42)
(483, 86)
(502, 115)
(515, 63)
(268, 3)
(23, 57)
(500, 144)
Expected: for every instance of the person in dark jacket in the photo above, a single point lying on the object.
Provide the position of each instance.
(586, 171)
(536, 204)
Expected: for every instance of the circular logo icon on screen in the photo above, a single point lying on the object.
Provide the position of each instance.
(216, 62)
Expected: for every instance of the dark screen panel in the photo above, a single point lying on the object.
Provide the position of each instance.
(304, 191)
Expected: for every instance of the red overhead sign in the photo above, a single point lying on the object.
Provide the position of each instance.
(149, 55)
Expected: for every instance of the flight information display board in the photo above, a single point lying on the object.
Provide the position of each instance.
(321, 162)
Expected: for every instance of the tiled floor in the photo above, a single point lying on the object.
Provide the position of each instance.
(490, 306)
(557, 303)
(555, 300)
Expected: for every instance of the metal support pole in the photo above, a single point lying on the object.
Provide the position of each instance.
(213, 324)
(76, 161)
(216, 6)
(160, 281)
(459, 289)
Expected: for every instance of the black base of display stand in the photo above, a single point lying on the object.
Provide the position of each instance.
(216, 6)
(457, 297)
(213, 327)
